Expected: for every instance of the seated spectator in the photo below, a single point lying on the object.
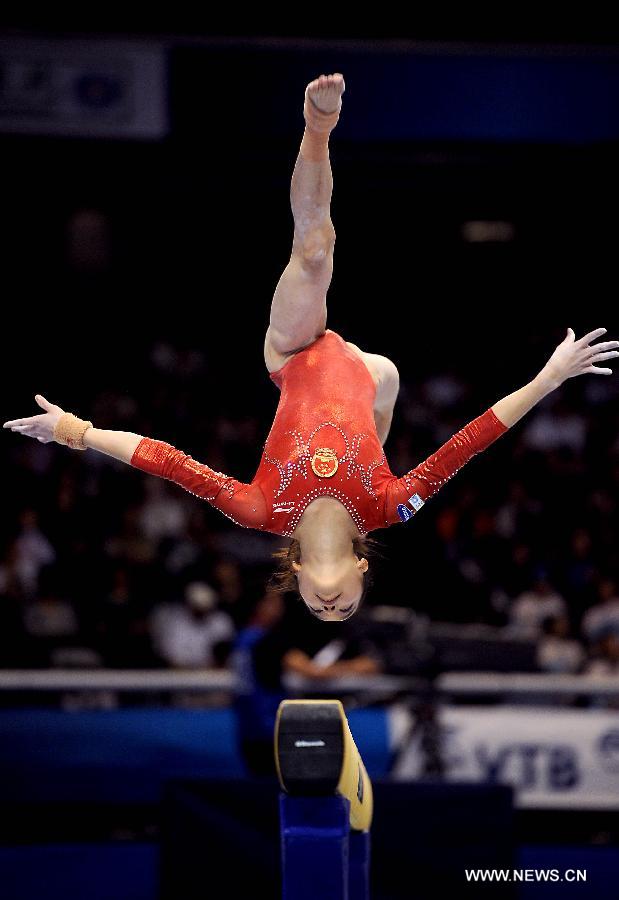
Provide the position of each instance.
(318, 650)
(187, 635)
(556, 650)
(530, 608)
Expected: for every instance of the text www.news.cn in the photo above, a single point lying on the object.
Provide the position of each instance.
(526, 875)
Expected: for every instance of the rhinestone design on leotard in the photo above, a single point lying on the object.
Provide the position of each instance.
(365, 472)
(287, 470)
(328, 491)
(302, 463)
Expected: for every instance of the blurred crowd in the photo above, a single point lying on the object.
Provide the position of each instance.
(104, 566)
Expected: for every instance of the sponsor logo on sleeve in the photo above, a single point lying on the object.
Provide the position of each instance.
(405, 512)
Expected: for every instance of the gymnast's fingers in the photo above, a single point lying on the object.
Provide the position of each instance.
(596, 370)
(591, 335)
(603, 345)
(25, 421)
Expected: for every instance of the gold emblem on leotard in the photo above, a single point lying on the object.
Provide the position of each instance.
(324, 462)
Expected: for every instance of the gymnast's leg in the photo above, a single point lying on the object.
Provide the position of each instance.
(299, 306)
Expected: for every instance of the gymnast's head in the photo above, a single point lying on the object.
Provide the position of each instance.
(332, 587)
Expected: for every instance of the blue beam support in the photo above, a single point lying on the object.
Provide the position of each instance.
(321, 856)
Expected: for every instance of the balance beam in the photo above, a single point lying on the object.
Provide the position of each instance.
(325, 805)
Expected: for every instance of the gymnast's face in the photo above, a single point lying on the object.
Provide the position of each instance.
(332, 591)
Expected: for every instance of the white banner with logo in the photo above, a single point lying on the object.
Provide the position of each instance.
(552, 758)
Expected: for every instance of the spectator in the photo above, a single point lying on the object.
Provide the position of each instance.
(187, 635)
(533, 606)
(556, 650)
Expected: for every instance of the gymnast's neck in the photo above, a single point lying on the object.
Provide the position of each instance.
(325, 530)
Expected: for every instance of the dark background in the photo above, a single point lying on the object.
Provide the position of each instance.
(433, 134)
(443, 124)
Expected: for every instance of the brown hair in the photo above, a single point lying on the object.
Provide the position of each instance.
(284, 578)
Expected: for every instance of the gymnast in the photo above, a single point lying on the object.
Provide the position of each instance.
(323, 480)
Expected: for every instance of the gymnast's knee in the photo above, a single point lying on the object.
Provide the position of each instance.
(315, 247)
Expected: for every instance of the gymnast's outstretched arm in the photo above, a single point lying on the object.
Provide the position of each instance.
(571, 357)
(119, 444)
(243, 503)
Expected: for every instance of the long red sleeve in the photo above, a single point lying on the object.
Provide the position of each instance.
(243, 503)
(413, 489)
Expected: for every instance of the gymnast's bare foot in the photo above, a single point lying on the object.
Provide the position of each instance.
(325, 92)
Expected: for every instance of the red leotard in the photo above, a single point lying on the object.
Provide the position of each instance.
(323, 442)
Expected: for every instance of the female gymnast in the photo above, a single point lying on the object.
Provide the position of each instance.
(323, 479)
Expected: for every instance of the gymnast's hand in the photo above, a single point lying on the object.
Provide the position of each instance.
(40, 427)
(576, 357)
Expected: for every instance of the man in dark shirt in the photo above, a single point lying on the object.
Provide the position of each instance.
(273, 644)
